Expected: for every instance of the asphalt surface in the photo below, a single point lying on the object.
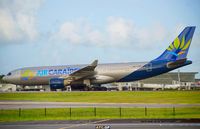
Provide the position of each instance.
(101, 124)
(30, 104)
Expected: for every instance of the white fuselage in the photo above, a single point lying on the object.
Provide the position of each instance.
(104, 73)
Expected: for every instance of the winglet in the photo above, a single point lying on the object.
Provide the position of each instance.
(94, 63)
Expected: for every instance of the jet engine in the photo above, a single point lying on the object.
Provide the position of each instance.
(56, 83)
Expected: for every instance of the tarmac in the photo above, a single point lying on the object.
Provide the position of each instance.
(31, 104)
(106, 124)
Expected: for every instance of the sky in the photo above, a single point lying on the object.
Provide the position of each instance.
(61, 32)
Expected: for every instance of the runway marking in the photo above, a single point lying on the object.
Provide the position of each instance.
(77, 125)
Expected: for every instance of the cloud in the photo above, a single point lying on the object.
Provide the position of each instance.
(69, 31)
(117, 32)
(18, 20)
(148, 36)
(78, 32)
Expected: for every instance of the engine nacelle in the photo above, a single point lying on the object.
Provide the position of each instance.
(56, 83)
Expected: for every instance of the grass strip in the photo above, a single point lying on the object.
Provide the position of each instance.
(98, 113)
(173, 97)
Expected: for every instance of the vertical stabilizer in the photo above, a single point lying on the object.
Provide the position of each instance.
(178, 49)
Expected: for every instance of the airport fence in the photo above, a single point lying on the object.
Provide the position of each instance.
(98, 113)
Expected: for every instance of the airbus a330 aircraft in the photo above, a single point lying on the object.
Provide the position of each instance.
(57, 77)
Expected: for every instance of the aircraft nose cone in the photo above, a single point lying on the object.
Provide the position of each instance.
(4, 79)
(10, 79)
(7, 79)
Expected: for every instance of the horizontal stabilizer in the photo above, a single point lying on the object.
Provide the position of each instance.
(176, 63)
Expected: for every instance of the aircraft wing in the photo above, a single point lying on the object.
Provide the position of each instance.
(81, 73)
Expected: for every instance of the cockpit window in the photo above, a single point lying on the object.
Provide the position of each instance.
(8, 74)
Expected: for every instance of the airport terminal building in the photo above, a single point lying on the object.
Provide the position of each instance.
(171, 80)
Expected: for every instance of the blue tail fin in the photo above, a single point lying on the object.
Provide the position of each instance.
(178, 49)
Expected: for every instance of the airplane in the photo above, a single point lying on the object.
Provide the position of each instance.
(58, 77)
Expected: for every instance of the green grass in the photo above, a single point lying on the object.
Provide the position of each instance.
(174, 97)
(101, 113)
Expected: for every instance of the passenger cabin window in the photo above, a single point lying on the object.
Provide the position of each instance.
(8, 74)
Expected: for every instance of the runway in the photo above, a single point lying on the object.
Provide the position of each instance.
(99, 124)
(30, 104)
